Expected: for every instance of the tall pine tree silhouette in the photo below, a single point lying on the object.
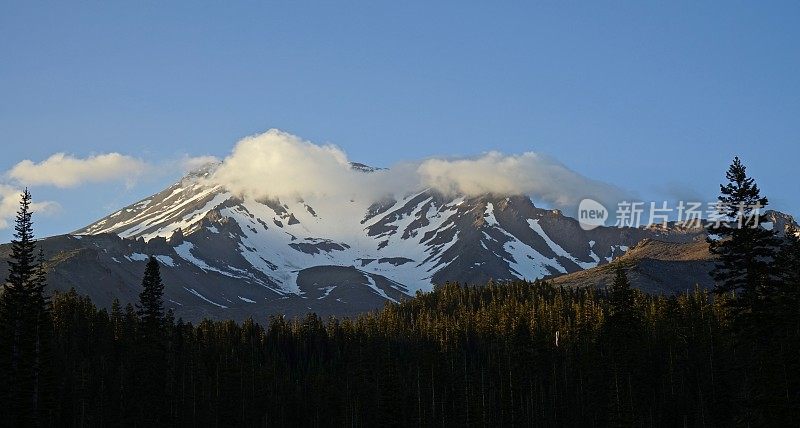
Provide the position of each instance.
(746, 250)
(26, 325)
(151, 301)
(151, 347)
(621, 338)
(747, 271)
(623, 325)
(621, 298)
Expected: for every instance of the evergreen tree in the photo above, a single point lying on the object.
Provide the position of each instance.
(748, 272)
(455, 356)
(623, 338)
(786, 323)
(621, 298)
(151, 302)
(623, 324)
(746, 250)
(117, 318)
(26, 327)
(788, 266)
(151, 367)
(508, 353)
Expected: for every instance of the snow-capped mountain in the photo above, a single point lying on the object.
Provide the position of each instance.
(230, 256)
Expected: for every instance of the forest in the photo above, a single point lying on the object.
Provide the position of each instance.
(498, 354)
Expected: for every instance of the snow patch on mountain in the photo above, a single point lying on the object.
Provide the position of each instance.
(184, 250)
(534, 224)
(412, 241)
(193, 291)
(139, 257)
(166, 260)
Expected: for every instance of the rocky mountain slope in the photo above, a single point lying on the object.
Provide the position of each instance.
(654, 267)
(228, 256)
(664, 267)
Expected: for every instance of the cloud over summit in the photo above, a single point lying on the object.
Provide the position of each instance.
(277, 164)
(529, 173)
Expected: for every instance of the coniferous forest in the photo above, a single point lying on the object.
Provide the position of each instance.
(496, 354)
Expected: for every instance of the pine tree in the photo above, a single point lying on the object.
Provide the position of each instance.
(786, 325)
(788, 266)
(26, 327)
(621, 296)
(623, 325)
(151, 346)
(117, 318)
(622, 336)
(151, 303)
(747, 271)
(746, 250)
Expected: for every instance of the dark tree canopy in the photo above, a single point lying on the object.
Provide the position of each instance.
(25, 328)
(621, 295)
(151, 301)
(746, 250)
(511, 353)
(23, 264)
(461, 355)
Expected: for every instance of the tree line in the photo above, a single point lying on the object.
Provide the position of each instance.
(499, 354)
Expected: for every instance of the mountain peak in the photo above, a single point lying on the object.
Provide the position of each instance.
(280, 253)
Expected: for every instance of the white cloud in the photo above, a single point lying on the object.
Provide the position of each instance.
(9, 204)
(277, 164)
(66, 171)
(530, 173)
(63, 170)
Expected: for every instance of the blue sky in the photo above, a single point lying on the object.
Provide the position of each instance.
(655, 98)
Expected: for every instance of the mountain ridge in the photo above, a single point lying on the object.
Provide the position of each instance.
(232, 256)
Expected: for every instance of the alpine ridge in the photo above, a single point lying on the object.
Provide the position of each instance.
(224, 255)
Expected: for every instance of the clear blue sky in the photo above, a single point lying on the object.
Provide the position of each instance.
(655, 98)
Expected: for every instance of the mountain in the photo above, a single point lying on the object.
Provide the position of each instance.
(228, 256)
(663, 266)
(653, 266)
